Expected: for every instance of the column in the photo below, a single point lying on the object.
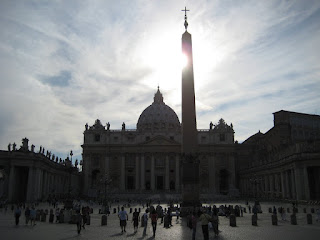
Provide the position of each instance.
(40, 184)
(298, 184)
(137, 172)
(271, 185)
(152, 176)
(107, 165)
(266, 182)
(167, 173)
(276, 185)
(177, 173)
(283, 192)
(37, 184)
(233, 172)
(293, 184)
(85, 169)
(306, 183)
(142, 169)
(30, 185)
(11, 184)
(288, 195)
(122, 172)
(45, 182)
(49, 183)
(212, 171)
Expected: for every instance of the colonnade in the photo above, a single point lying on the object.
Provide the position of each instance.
(39, 183)
(287, 183)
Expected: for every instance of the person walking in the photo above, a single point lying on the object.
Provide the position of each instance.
(17, 214)
(57, 214)
(78, 221)
(32, 216)
(85, 213)
(145, 222)
(135, 220)
(215, 220)
(194, 222)
(154, 219)
(123, 216)
(27, 215)
(205, 218)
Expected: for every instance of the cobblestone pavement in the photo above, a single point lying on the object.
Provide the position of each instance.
(179, 230)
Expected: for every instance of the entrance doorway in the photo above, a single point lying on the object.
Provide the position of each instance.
(130, 182)
(314, 182)
(224, 183)
(21, 184)
(159, 182)
(172, 185)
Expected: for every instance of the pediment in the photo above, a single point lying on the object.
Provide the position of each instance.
(160, 141)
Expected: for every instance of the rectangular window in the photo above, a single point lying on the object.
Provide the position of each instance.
(222, 137)
(97, 137)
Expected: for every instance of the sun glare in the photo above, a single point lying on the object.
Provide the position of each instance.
(183, 60)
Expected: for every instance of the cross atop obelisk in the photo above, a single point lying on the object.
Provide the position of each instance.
(185, 17)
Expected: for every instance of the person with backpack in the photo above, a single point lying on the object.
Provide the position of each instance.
(145, 222)
(205, 219)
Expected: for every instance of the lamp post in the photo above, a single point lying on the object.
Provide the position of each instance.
(2, 176)
(255, 181)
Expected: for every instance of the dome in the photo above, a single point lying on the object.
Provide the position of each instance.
(158, 116)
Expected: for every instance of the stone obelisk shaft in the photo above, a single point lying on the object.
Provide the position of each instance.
(190, 163)
(189, 123)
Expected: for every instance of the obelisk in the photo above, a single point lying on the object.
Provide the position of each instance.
(190, 162)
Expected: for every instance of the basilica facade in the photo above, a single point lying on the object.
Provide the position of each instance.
(148, 159)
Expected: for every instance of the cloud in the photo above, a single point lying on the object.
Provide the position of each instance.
(65, 63)
(61, 80)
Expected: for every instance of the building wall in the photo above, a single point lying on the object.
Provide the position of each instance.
(139, 161)
(280, 165)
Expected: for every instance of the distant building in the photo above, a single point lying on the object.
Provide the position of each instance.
(283, 163)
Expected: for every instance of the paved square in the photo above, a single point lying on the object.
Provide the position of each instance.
(179, 230)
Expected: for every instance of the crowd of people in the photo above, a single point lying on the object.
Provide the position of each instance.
(150, 212)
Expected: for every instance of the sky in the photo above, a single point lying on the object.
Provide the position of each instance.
(66, 63)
